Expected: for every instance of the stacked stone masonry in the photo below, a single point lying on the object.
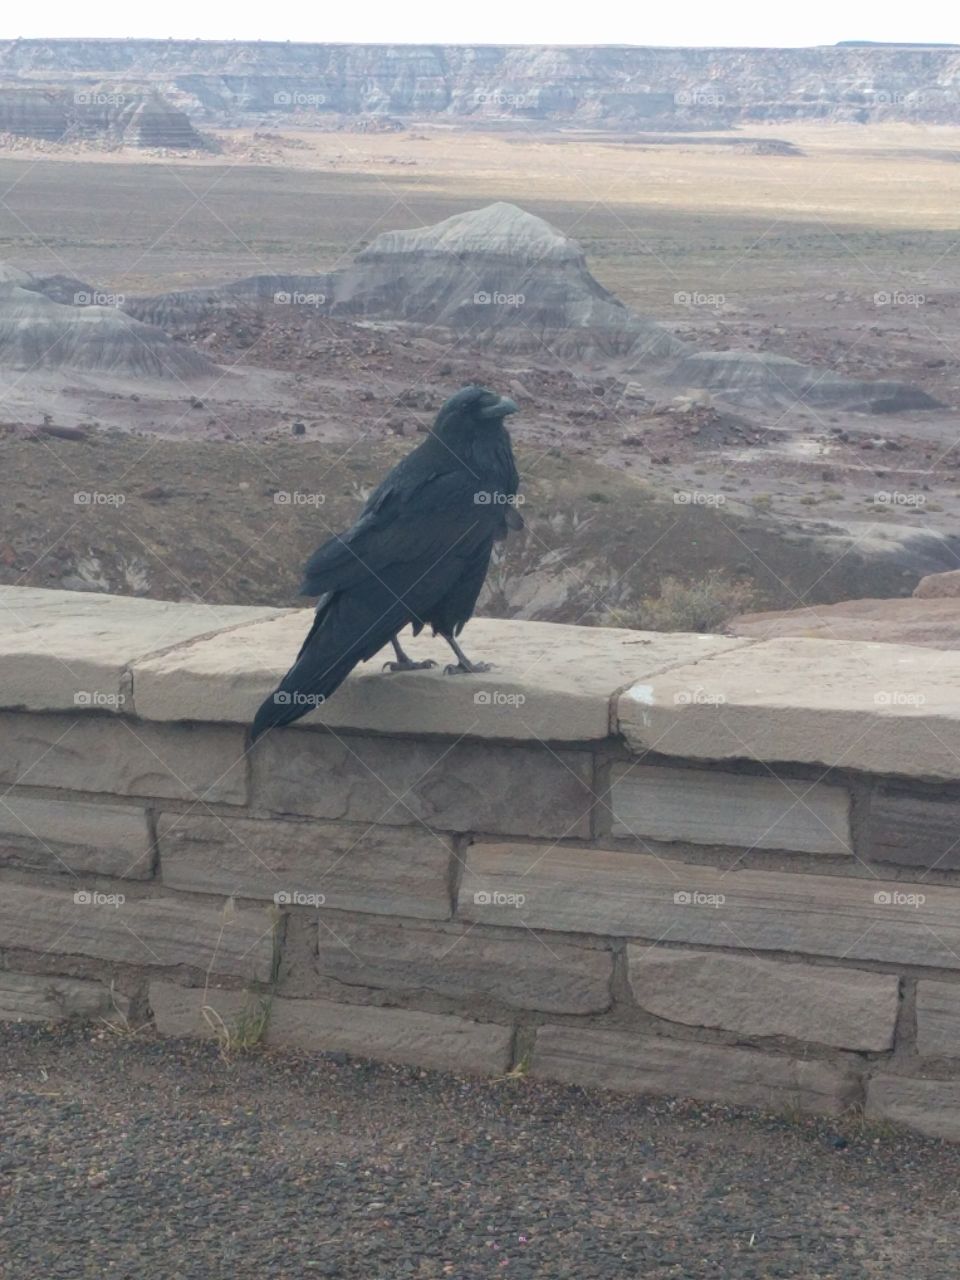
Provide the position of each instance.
(666, 864)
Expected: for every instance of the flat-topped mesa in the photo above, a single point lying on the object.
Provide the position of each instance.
(504, 274)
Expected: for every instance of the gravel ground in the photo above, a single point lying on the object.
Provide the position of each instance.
(154, 1160)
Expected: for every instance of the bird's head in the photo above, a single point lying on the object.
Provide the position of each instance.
(471, 410)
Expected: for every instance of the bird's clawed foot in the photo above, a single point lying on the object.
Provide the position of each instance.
(467, 668)
(408, 664)
(463, 666)
(404, 662)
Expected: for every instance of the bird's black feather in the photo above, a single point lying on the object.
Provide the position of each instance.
(418, 553)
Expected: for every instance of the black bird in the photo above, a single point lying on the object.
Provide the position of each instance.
(417, 555)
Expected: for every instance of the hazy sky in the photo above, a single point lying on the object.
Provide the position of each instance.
(695, 22)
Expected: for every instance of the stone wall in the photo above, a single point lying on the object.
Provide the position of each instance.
(670, 864)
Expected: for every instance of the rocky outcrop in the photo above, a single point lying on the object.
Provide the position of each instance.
(37, 332)
(33, 113)
(762, 378)
(931, 622)
(593, 87)
(153, 122)
(134, 117)
(939, 585)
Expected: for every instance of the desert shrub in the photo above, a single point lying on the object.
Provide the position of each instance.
(701, 604)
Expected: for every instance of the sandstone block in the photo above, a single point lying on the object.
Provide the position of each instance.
(116, 756)
(845, 1008)
(35, 997)
(353, 867)
(167, 932)
(461, 786)
(74, 835)
(526, 973)
(635, 895)
(680, 1068)
(435, 1040)
(938, 1019)
(913, 830)
(879, 708)
(931, 1107)
(64, 650)
(210, 1013)
(709, 807)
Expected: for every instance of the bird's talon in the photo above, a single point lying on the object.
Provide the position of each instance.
(425, 665)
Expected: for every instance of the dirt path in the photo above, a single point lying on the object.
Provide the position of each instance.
(139, 1158)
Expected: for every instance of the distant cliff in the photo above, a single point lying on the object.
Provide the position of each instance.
(589, 87)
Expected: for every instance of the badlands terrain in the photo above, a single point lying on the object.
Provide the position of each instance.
(735, 351)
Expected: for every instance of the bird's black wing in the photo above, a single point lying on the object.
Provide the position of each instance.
(410, 519)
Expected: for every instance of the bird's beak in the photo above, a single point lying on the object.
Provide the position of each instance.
(500, 410)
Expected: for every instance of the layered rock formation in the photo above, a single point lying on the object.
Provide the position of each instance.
(761, 378)
(37, 332)
(129, 116)
(505, 278)
(594, 87)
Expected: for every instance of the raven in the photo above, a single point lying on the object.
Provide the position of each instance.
(418, 554)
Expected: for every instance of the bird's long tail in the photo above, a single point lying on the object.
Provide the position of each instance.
(345, 631)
